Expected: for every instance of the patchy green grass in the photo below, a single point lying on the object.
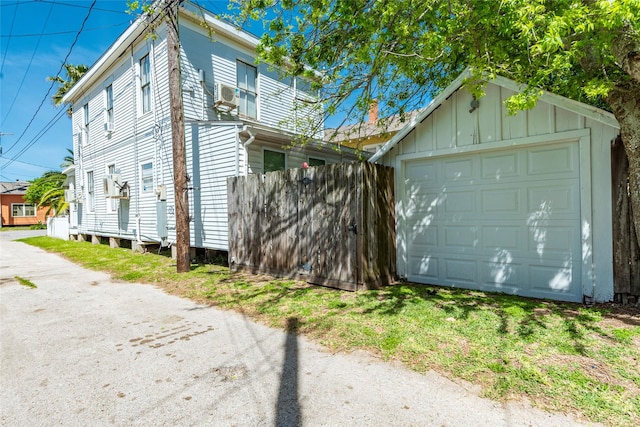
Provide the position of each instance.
(562, 357)
(25, 282)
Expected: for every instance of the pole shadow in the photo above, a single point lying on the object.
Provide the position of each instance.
(288, 411)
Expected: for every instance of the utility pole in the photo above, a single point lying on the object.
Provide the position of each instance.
(181, 184)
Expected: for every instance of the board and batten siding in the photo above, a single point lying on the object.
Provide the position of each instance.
(451, 130)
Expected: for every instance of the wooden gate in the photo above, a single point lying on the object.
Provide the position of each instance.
(334, 225)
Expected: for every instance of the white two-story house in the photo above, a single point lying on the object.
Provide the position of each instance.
(239, 116)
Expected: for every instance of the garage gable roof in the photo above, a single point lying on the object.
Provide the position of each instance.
(583, 109)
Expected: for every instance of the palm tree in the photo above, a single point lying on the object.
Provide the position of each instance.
(74, 73)
(48, 191)
(68, 159)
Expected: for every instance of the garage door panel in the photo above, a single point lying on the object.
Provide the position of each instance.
(562, 198)
(422, 173)
(553, 279)
(557, 159)
(499, 166)
(502, 272)
(425, 267)
(460, 270)
(507, 220)
(501, 200)
(501, 237)
(459, 171)
(460, 202)
(460, 236)
(422, 233)
(553, 239)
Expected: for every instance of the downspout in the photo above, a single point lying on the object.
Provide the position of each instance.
(244, 146)
(135, 146)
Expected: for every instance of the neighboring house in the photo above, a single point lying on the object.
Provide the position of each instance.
(370, 135)
(518, 204)
(15, 211)
(237, 121)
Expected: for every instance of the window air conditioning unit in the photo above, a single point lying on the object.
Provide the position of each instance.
(114, 187)
(69, 196)
(109, 127)
(227, 95)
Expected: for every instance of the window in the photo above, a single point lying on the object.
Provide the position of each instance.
(109, 97)
(145, 84)
(85, 124)
(316, 162)
(23, 209)
(273, 161)
(147, 177)
(91, 199)
(113, 204)
(247, 88)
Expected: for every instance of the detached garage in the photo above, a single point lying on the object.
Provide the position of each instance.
(518, 204)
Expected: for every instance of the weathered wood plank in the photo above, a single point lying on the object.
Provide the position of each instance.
(336, 221)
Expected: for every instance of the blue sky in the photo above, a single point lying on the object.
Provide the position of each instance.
(35, 37)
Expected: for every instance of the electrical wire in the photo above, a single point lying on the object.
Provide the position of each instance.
(13, 20)
(36, 138)
(58, 33)
(50, 87)
(24, 76)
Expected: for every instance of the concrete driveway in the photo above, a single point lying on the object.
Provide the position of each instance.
(81, 349)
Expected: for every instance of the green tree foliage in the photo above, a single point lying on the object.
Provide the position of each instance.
(48, 191)
(402, 52)
(74, 73)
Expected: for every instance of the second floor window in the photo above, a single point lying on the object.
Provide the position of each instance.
(145, 84)
(247, 87)
(109, 95)
(85, 124)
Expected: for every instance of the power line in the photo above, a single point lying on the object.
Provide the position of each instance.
(62, 4)
(13, 20)
(36, 138)
(28, 66)
(51, 86)
(16, 36)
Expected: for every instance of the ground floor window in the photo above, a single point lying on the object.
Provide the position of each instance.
(23, 210)
(273, 161)
(316, 162)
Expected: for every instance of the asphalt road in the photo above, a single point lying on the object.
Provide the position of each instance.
(81, 350)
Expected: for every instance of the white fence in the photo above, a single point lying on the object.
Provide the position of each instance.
(58, 227)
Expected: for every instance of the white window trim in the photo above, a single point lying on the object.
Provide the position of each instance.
(106, 104)
(257, 91)
(138, 70)
(112, 203)
(86, 121)
(275, 150)
(144, 192)
(91, 200)
(35, 210)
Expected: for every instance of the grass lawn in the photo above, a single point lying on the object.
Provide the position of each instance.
(561, 357)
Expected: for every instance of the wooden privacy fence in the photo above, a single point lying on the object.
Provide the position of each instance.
(334, 224)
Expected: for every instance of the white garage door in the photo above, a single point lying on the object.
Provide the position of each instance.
(505, 220)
